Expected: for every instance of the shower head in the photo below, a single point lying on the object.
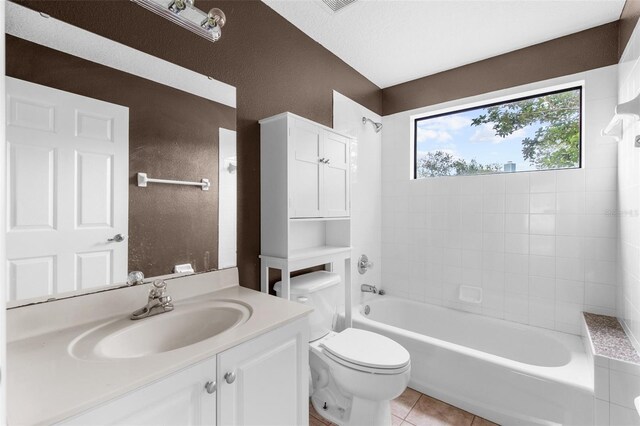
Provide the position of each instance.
(377, 126)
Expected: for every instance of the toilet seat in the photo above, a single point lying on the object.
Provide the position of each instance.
(366, 351)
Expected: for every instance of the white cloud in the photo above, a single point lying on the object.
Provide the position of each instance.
(447, 122)
(438, 135)
(485, 133)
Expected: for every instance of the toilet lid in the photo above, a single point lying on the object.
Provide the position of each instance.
(368, 349)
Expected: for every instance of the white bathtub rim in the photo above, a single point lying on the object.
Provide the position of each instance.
(576, 373)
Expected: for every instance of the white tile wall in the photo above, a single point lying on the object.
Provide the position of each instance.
(628, 209)
(616, 385)
(540, 244)
(366, 191)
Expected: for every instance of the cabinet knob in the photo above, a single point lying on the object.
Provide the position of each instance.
(321, 160)
(210, 387)
(230, 377)
(327, 161)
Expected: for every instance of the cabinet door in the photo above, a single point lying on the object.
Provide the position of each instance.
(336, 151)
(179, 399)
(270, 379)
(305, 179)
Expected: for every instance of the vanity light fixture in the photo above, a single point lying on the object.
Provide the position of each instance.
(184, 13)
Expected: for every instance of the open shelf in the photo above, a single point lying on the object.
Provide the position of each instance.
(317, 251)
(318, 219)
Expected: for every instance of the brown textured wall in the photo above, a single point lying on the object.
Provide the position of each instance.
(593, 48)
(628, 20)
(274, 66)
(172, 134)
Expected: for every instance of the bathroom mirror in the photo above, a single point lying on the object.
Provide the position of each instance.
(85, 117)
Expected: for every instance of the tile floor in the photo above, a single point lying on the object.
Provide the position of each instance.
(415, 409)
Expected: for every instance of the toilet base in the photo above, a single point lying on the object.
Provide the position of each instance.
(365, 412)
(360, 411)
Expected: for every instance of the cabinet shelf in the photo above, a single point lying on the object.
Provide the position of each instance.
(311, 252)
(318, 219)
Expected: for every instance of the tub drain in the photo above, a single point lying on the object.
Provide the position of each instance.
(367, 309)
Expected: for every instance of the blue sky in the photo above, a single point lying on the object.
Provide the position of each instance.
(455, 134)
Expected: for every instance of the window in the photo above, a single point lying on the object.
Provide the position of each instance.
(538, 132)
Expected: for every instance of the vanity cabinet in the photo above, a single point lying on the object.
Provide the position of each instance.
(263, 381)
(306, 165)
(179, 399)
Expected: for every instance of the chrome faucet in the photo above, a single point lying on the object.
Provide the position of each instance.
(159, 302)
(366, 288)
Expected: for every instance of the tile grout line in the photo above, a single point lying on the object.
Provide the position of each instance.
(412, 406)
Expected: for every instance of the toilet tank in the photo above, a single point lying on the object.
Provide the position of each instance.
(319, 290)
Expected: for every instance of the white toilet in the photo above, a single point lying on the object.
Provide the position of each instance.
(354, 373)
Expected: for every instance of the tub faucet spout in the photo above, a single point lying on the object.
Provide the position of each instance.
(366, 288)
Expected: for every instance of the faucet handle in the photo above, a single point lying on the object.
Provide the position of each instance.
(159, 284)
(363, 264)
(158, 289)
(135, 278)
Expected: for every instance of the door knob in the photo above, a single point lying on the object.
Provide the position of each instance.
(230, 377)
(210, 387)
(118, 238)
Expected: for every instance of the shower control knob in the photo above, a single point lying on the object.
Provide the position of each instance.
(363, 264)
(230, 377)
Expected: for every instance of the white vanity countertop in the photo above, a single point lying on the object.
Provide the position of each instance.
(46, 384)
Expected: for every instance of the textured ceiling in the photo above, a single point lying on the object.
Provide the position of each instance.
(393, 41)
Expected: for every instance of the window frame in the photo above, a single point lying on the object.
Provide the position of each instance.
(503, 100)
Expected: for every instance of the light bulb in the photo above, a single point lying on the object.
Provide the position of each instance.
(178, 5)
(216, 17)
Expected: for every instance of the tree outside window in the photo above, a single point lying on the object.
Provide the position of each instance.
(536, 133)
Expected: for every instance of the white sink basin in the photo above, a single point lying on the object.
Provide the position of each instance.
(186, 325)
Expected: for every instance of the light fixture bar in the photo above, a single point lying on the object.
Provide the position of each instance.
(190, 18)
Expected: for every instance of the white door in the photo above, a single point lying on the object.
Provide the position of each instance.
(264, 381)
(336, 151)
(305, 141)
(181, 399)
(67, 191)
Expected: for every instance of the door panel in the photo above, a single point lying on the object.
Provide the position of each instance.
(67, 190)
(31, 186)
(336, 174)
(30, 114)
(94, 269)
(336, 195)
(94, 126)
(306, 177)
(38, 271)
(94, 189)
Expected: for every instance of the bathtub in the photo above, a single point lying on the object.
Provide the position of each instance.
(506, 372)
